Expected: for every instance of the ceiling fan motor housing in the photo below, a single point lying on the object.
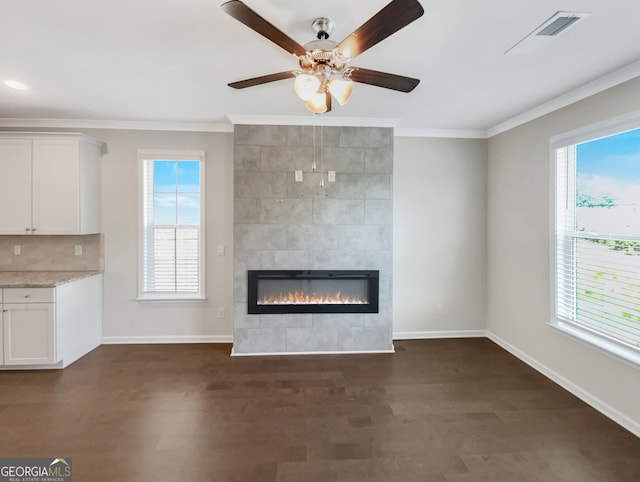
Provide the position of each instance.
(323, 27)
(321, 53)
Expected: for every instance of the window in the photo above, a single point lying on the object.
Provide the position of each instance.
(597, 237)
(172, 225)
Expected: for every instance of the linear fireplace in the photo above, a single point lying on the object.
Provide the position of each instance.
(312, 291)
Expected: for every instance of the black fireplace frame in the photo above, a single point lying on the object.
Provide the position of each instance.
(371, 276)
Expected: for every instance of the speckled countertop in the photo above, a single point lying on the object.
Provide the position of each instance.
(40, 279)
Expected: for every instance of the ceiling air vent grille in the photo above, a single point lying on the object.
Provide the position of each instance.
(555, 25)
(558, 25)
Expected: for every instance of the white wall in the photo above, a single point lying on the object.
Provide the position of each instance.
(439, 237)
(519, 278)
(125, 319)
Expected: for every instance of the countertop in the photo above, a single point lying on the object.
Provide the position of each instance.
(41, 279)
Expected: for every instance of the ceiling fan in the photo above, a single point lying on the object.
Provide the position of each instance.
(324, 71)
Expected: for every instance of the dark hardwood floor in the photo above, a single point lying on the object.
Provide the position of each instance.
(435, 411)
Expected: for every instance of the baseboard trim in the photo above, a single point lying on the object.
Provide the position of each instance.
(148, 340)
(299, 353)
(426, 335)
(57, 366)
(606, 409)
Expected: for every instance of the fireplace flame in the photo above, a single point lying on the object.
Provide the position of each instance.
(302, 298)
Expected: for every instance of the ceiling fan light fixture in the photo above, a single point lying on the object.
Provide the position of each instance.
(318, 103)
(306, 86)
(341, 90)
(322, 59)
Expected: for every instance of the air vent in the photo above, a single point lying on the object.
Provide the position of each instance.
(557, 26)
(554, 26)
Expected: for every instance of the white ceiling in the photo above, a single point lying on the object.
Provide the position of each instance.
(170, 60)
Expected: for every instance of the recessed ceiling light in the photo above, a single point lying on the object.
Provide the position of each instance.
(14, 84)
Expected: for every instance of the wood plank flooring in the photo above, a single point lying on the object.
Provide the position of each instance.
(435, 411)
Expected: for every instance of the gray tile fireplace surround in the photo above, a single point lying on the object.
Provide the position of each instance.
(287, 225)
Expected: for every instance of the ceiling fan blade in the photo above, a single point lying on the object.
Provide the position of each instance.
(382, 79)
(254, 21)
(264, 79)
(393, 17)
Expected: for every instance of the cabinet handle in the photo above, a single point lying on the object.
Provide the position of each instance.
(27, 296)
(33, 230)
(27, 229)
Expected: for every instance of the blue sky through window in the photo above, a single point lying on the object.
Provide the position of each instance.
(176, 187)
(608, 184)
(611, 166)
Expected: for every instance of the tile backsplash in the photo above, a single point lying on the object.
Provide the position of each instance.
(51, 253)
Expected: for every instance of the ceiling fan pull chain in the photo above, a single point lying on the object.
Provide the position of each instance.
(321, 153)
(313, 164)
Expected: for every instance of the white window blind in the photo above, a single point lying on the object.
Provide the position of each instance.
(597, 238)
(172, 225)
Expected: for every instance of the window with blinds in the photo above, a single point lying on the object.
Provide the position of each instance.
(597, 238)
(172, 230)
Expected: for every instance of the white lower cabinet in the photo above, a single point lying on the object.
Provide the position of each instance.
(50, 327)
(29, 333)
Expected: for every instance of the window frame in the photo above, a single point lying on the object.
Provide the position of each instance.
(171, 155)
(591, 338)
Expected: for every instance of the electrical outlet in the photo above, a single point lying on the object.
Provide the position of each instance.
(220, 312)
(78, 250)
(331, 176)
(440, 309)
(298, 176)
(220, 250)
(17, 250)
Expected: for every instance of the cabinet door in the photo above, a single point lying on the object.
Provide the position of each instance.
(1, 335)
(55, 186)
(29, 334)
(15, 186)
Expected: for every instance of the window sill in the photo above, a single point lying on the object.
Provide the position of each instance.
(170, 299)
(620, 352)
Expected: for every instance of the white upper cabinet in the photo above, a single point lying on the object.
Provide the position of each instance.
(50, 184)
(15, 186)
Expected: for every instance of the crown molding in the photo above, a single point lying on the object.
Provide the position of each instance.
(239, 119)
(117, 124)
(355, 122)
(443, 133)
(311, 119)
(596, 86)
